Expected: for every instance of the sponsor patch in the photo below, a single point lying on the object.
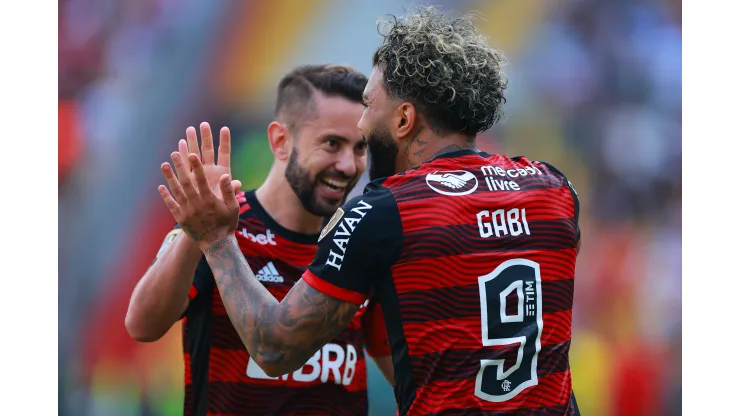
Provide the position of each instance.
(333, 221)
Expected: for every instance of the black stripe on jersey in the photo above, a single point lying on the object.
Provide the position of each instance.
(197, 337)
(454, 365)
(223, 334)
(435, 242)
(320, 399)
(404, 386)
(568, 409)
(454, 302)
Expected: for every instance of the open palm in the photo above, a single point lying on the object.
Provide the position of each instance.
(213, 169)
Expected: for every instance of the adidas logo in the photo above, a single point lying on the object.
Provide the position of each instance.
(269, 274)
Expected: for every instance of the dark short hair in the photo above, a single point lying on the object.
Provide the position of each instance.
(295, 94)
(445, 67)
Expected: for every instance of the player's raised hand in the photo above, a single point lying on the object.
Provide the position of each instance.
(213, 168)
(195, 206)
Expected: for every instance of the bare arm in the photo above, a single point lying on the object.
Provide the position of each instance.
(161, 296)
(280, 337)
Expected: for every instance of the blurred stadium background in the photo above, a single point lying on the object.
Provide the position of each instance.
(595, 90)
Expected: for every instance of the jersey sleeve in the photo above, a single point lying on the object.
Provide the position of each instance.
(374, 331)
(574, 194)
(361, 240)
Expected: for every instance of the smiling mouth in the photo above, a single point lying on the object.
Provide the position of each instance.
(335, 185)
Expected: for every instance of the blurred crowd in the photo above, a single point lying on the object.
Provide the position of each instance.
(595, 90)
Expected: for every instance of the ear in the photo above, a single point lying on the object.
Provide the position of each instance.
(279, 138)
(406, 120)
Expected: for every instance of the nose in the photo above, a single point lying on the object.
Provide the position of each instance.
(360, 123)
(346, 164)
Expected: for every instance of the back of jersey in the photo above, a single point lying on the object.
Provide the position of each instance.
(484, 282)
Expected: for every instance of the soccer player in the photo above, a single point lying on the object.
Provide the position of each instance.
(319, 155)
(471, 255)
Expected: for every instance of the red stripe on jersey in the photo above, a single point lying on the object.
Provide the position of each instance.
(188, 373)
(439, 396)
(331, 290)
(376, 334)
(244, 208)
(458, 270)
(287, 251)
(228, 366)
(193, 292)
(217, 305)
(465, 334)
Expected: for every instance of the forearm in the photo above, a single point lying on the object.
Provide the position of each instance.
(161, 296)
(251, 308)
(280, 337)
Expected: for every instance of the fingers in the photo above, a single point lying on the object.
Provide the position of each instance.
(172, 205)
(200, 177)
(173, 183)
(228, 193)
(224, 148)
(206, 144)
(237, 185)
(183, 175)
(182, 147)
(192, 145)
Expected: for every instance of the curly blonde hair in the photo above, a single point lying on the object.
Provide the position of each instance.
(444, 66)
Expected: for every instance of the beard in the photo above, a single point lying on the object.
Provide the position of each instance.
(299, 179)
(383, 153)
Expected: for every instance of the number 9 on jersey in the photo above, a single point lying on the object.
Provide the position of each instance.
(517, 281)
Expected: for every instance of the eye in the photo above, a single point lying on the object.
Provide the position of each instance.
(364, 104)
(332, 143)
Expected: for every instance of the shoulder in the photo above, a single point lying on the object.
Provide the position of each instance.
(556, 178)
(545, 169)
(374, 208)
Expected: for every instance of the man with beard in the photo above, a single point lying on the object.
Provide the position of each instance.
(319, 156)
(471, 255)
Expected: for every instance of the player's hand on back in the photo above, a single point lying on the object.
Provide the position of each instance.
(195, 205)
(213, 166)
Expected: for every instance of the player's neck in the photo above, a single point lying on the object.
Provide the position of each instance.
(281, 203)
(428, 146)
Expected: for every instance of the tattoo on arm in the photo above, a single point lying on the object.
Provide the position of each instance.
(189, 230)
(281, 337)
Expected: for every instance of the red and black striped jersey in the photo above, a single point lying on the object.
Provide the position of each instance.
(472, 257)
(221, 378)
